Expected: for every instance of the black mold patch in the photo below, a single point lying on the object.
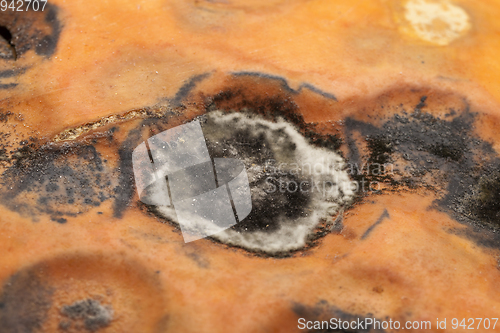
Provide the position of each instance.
(271, 107)
(323, 311)
(485, 204)
(33, 30)
(419, 143)
(61, 181)
(380, 149)
(443, 155)
(265, 212)
(24, 303)
(5, 75)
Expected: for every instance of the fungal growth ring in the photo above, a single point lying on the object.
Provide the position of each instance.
(253, 207)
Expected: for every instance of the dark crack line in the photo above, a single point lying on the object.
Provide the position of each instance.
(380, 219)
(286, 86)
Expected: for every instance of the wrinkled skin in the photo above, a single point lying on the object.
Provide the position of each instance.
(425, 246)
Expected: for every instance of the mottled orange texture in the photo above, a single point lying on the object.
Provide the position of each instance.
(113, 57)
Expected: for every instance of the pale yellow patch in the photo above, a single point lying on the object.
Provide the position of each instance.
(438, 22)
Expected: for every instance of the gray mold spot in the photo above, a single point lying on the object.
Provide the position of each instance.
(88, 312)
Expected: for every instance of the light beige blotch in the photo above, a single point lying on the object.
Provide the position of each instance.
(438, 22)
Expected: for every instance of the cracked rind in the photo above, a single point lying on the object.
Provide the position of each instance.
(74, 133)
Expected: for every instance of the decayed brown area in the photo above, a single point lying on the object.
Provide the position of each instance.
(120, 71)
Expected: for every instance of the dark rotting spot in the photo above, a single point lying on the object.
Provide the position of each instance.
(265, 213)
(31, 30)
(60, 180)
(440, 154)
(272, 107)
(36, 298)
(329, 141)
(488, 198)
(8, 50)
(446, 151)
(380, 149)
(482, 200)
(5, 33)
(416, 138)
